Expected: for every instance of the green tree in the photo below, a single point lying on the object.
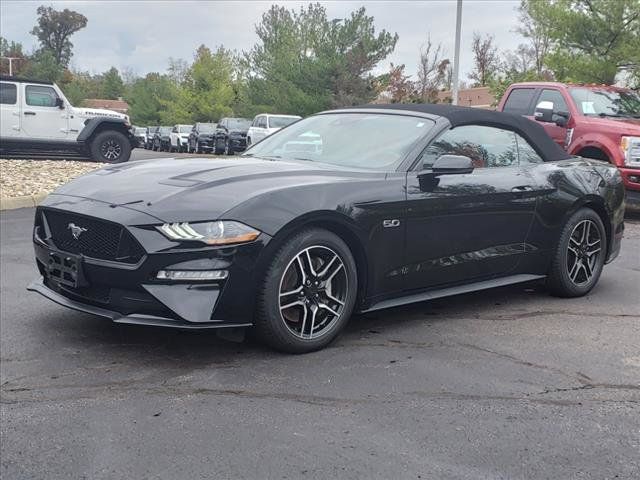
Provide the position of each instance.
(112, 84)
(147, 98)
(592, 39)
(305, 62)
(485, 59)
(54, 29)
(206, 93)
(43, 66)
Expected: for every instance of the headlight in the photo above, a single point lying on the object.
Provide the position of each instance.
(211, 233)
(631, 149)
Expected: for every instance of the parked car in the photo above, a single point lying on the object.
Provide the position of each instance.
(179, 138)
(161, 139)
(593, 121)
(201, 137)
(140, 134)
(35, 116)
(293, 241)
(231, 135)
(151, 133)
(265, 124)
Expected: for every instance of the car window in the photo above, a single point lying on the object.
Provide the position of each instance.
(41, 96)
(526, 153)
(281, 122)
(519, 101)
(559, 104)
(262, 122)
(184, 128)
(8, 93)
(486, 146)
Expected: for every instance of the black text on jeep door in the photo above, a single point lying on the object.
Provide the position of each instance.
(42, 117)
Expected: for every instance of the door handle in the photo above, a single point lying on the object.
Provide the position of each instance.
(522, 189)
(29, 113)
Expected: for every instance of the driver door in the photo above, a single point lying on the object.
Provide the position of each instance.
(463, 227)
(42, 119)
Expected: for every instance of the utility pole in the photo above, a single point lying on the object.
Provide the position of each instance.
(11, 59)
(456, 55)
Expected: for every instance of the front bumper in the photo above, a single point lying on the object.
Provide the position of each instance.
(238, 144)
(130, 292)
(117, 317)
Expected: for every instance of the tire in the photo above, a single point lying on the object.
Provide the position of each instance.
(320, 310)
(110, 146)
(216, 150)
(579, 257)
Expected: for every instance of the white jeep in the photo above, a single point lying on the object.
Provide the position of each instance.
(179, 138)
(36, 117)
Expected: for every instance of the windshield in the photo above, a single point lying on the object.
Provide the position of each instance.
(607, 103)
(239, 124)
(281, 122)
(363, 140)
(206, 127)
(165, 130)
(184, 128)
(140, 130)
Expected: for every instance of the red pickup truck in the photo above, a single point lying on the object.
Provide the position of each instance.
(594, 121)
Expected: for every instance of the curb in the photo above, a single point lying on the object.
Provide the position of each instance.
(26, 201)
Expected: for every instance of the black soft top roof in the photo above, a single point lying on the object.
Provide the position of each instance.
(530, 130)
(7, 78)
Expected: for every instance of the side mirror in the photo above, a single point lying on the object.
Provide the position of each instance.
(452, 164)
(544, 112)
(59, 103)
(561, 118)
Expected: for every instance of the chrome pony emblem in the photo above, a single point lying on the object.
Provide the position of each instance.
(76, 231)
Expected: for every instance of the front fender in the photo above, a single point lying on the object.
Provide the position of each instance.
(98, 123)
(599, 141)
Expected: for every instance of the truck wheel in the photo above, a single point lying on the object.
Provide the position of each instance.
(110, 147)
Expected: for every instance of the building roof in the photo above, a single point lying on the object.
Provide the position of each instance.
(480, 97)
(117, 105)
(532, 131)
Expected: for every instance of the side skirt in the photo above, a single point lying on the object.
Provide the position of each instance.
(449, 291)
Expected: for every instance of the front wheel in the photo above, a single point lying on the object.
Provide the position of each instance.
(110, 147)
(579, 257)
(308, 293)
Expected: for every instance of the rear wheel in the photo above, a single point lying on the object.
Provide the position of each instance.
(579, 256)
(308, 293)
(110, 147)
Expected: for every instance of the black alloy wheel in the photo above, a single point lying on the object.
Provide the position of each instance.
(309, 292)
(580, 255)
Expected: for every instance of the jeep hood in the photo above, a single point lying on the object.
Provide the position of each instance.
(198, 189)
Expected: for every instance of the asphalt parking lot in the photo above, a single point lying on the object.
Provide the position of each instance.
(503, 384)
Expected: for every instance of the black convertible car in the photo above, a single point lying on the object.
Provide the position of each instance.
(346, 211)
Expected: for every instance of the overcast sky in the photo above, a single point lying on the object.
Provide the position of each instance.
(142, 35)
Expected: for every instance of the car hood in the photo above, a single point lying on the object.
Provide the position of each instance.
(198, 189)
(622, 125)
(98, 112)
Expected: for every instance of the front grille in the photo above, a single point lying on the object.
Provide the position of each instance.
(96, 238)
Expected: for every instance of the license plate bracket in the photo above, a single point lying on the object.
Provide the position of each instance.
(66, 269)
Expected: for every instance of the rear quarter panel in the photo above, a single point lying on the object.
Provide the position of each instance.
(566, 187)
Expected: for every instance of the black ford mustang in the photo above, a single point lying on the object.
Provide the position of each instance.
(350, 210)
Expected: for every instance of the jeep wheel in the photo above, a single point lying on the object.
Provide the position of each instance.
(110, 147)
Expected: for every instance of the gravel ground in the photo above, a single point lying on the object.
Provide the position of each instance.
(31, 177)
